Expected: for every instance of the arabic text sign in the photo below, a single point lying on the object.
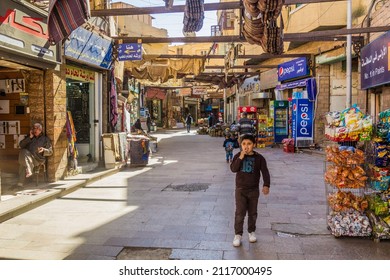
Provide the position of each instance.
(293, 69)
(375, 64)
(131, 51)
(89, 47)
(23, 30)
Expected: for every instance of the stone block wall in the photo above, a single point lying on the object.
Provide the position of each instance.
(55, 85)
(47, 99)
(323, 102)
(385, 102)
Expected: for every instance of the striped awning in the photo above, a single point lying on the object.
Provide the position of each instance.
(65, 16)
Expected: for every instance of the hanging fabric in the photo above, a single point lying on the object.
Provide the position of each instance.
(66, 16)
(72, 138)
(261, 26)
(193, 16)
(113, 101)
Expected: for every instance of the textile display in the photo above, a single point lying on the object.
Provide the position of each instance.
(113, 101)
(72, 138)
(161, 70)
(65, 16)
(193, 16)
(261, 24)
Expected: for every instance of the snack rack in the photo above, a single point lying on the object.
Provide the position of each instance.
(378, 169)
(345, 181)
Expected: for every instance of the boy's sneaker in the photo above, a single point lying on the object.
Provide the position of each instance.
(252, 237)
(237, 240)
(227, 161)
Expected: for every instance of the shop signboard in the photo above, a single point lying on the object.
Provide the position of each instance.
(199, 90)
(89, 47)
(23, 31)
(269, 79)
(79, 74)
(302, 121)
(293, 69)
(251, 85)
(132, 51)
(375, 66)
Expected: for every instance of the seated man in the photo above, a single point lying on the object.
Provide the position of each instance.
(34, 148)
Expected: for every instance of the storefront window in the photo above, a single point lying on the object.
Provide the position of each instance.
(77, 94)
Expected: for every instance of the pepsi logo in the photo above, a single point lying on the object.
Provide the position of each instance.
(281, 71)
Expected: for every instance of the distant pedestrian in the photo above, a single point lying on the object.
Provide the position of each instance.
(245, 125)
(211, 119)
(248, 164)
(148, 122)
(229, 144)
(189, 121)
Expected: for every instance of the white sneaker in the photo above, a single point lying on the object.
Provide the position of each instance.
(237, 240)
(252, 237)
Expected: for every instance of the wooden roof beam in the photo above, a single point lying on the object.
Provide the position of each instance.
(325, 35)
(241, 66)
(180, 8)
(217, 56)
(289, 37)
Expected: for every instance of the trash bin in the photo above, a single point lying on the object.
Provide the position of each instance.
(109, 150)
(139, 151)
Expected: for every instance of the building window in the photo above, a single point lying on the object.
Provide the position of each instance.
(179, 51)
(228, 18)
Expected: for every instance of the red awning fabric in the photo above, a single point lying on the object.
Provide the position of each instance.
(155, 93)
(65, 16)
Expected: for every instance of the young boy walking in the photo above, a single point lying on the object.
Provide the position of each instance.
(247, 165)
(229, 144)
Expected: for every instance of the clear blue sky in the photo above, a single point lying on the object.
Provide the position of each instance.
(174, 22)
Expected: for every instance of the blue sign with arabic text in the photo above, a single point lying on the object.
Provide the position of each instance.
(131, 51)
(293, 69)
(86, 46)
(375, 66)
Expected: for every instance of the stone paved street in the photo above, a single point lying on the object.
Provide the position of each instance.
(182, 204)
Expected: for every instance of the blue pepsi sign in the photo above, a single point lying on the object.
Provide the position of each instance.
(131, 51)
(302, 122)
(293, 69)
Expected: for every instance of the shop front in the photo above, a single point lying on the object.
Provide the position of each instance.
(154, 104)
(27, 62)
(88, 68)
(299, 91)
(375, 74)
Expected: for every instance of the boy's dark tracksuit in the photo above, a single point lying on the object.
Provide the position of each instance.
(229, 145)
(247, 188)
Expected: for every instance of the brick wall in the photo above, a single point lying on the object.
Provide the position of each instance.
(47, 99)
(385, 101)
(55, 85)
(322, 104)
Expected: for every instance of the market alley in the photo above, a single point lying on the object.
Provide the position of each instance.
(181, 206)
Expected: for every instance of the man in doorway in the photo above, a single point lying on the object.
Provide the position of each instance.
(34, 150)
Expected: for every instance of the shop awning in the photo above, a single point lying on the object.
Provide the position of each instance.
(65, 16)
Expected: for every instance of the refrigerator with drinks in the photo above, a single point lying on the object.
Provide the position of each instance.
(280, 120)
